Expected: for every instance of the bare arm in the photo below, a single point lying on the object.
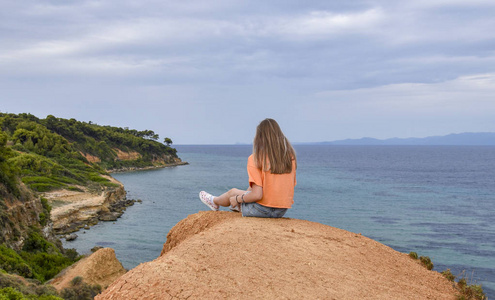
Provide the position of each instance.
(255, 195)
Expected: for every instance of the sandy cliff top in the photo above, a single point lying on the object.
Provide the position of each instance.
(212, 255)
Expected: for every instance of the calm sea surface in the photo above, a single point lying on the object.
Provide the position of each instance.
(438, 201)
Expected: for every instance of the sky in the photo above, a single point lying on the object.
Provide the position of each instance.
(207, 72)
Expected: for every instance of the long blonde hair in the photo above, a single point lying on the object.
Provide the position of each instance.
(271, 149)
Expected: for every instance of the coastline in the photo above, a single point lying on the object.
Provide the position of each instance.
(74, 210)
(132, 169)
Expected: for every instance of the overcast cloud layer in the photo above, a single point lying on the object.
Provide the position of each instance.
(209, 71)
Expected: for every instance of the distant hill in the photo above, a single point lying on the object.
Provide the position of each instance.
(468, 138)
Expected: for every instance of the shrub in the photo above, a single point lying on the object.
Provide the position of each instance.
(35, 242)
(448, 274)
(19, 291)
(9, 293)
(473, 291)
(76, 280)
(72, 254)
(39, 259)
(46, 266)
(426, 261)
(413, 255)
(79, 290)
(46, 206)
(12, 262)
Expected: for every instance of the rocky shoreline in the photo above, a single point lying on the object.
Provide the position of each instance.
(131, 169)
(74, 210)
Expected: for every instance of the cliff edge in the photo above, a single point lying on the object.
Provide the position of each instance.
(212, 255)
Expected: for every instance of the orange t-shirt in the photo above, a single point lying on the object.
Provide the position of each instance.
(278, 189)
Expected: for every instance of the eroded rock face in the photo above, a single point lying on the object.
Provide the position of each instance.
(101, 267)
(81, 209)
(18, 214)
(215, 255)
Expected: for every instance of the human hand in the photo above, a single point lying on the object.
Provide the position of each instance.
(233, 201)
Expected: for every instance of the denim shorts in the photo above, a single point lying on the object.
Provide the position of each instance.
(254, 209)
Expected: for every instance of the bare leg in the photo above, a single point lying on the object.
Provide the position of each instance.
(223, 200)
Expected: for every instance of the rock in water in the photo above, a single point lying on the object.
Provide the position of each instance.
(109, 217)
(221, 255)
(71, 237)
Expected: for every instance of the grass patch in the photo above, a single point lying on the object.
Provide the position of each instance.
(45, 187)
(97, 178)
(74, 189)
(42, 183)
(110, 184)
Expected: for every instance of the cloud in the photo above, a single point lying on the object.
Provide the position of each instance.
(374, 60)
(466, 95)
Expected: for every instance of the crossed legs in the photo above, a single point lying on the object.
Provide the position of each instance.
(224, 199)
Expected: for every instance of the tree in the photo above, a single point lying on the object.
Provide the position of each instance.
(168, 141)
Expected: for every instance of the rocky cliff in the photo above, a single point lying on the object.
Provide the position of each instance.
(19, 213)
(212, 255)
(76, 209)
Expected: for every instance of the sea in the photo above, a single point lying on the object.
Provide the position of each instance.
(437, 201)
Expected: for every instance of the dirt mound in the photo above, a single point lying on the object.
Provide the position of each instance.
(212, 255)
(101, 267)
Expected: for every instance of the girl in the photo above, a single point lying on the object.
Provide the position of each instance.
(272, 177)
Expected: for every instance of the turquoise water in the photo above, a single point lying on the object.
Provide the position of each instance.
(436, 201)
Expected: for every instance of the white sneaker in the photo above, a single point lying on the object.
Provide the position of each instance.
(207, 199)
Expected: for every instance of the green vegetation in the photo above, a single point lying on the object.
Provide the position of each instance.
(466, 291)
(448, 274)
(167, 141)
(426, 261)
(8, 174)
(53, 153)
(473, 291)
(80, 290)
(49, 154)
(39, 258)
(9, 293)
(12, 287)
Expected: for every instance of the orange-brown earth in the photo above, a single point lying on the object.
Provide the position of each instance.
(215, 255)
(101, 267)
